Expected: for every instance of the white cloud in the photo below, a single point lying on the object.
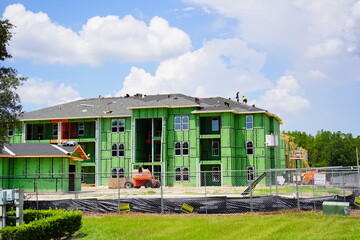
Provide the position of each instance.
(330, 47)
(187, 9)
(284, 98)
(316, 75)
(101, 39)
(219, 68)
(285, 22)
(39, 92)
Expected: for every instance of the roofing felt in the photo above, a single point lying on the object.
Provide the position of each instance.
(36, 149)
(122, 106)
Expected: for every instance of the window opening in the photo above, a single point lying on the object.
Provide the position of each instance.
(117, 172)
(181, 148)
(10, 132)
(249, 148)
(215, 124)
(215, 174)
(178, 174)
(177, 148)
(250, 173)
(121, 149)
(118, 150)
(249, 122)
(215, 148)
(181, 174)
(117, 125)
(81, 129)
(114, 150)
(181, 123)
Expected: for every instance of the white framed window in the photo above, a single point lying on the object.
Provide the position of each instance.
(215, 124)
(118, 150)
(177, 148)
(10, 131)
(215, 174)
(181, 123)
(182, 174)
(117, 172)
(117, 125)
(215, 148)
(185, 148)
(81, 129)
(250, 173)
(249, 148)
(249, 122)
(181, 148)
(55, 128)
(121, 147)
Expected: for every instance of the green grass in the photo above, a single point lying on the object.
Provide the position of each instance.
(278, 226)
(302, 189)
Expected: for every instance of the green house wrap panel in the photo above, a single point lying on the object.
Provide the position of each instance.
(39, 174)
(232, 137)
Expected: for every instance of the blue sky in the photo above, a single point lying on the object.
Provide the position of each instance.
(298, 59)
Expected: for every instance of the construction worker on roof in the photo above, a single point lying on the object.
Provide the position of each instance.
(237, 96)
(244, 100)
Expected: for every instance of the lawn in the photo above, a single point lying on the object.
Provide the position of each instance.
(287, 225)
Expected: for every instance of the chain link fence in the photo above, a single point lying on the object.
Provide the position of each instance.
(184, 191)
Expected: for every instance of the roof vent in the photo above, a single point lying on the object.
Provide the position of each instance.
(69, 143)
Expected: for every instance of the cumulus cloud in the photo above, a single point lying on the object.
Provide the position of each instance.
(101, 39)
(220, 68)
(285, 22)
(330, 47)
(316, 75)
(39, 92)
(284, 98)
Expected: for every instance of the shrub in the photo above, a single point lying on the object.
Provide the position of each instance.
(44, 224)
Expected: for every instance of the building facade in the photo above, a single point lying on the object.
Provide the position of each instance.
(171, 133)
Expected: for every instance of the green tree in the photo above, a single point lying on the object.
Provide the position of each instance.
(327, 148)
(10, 107)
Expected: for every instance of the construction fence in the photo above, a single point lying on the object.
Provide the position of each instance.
(192, 192)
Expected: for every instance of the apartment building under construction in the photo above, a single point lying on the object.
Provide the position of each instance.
(164, 133)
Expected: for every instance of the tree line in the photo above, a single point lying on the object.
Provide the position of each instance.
(328, 148)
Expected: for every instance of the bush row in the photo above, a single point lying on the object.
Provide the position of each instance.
(43, 224)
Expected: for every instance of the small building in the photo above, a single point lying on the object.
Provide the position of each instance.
(42, 167)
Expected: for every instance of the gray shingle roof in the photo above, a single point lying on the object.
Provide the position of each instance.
(36, 149)
(121, 106)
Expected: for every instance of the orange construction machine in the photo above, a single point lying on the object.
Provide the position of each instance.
(142, 177)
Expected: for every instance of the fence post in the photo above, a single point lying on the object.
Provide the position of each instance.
(270, 181)
(162, 193)
(297, 174)
(276, 184)
(76, 193)
(313, 192)
(205, 192)
(118, 187)
(343, 184)
(36, 193)
(251, 201)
